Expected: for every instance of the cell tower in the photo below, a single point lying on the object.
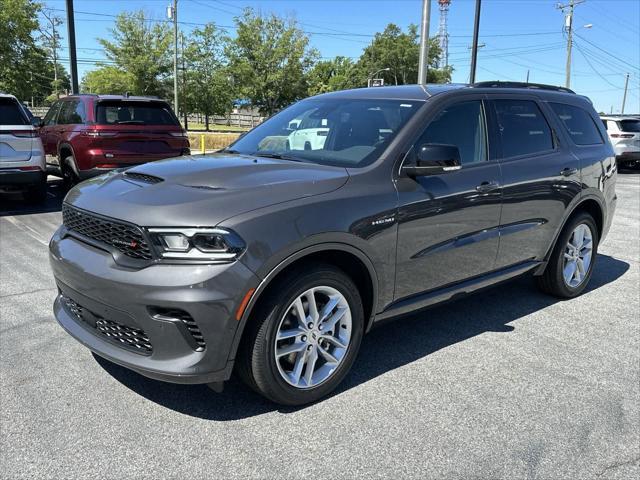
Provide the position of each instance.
(443, 35)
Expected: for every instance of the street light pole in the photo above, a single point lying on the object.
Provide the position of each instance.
(175, 56)
(568, 24)
(372, 75)
(423, 61)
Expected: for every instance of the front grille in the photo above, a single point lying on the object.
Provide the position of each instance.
(132, 338)
(143, 177)
(126, 238)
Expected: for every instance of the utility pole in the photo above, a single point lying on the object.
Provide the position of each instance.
(624, 97)
(184, 85)
(51, 41)
(71, 32)
(527, 76)
(172, 14)
(568, 25)
(423, 62)
(474, 48)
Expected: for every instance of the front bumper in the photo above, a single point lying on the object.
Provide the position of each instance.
(128, 301)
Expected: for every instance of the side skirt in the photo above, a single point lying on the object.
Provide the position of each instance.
(453, 292)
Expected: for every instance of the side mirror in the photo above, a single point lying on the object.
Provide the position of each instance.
(36, 121)
(434, 159)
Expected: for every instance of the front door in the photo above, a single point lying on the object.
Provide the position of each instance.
(49, 136)
(448, 223)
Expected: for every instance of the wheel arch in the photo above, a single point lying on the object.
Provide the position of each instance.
(347, 258)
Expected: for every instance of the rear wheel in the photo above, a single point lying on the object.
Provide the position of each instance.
(304, 337)
(571, 263)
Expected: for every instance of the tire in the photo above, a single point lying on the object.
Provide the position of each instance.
(69, 177)
(257, 364)
(553, 280)
(37, 193)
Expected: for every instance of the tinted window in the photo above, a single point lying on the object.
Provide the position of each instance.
(11, 113)
(578, 123)
(50, 117)
(461, 125)
(523, 129)
(134, 113)
(630, 125)
(341, 132)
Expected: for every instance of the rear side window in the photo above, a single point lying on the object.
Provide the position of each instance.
(11, 113)
(630, 126)
(523, 128)
(134, 113)
(50, 117)
(462, 125)
(579, 124)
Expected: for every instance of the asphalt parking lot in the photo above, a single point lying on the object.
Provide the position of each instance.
(509, 383)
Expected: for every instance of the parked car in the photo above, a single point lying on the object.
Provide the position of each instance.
(86, 135)
(624, 133)
(22, 166)
(276, 262)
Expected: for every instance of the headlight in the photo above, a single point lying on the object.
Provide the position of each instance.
(200, 244)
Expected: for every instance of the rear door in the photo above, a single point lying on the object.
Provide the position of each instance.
(448, 223)
(135, 131)
(540, 173)
(16, 132)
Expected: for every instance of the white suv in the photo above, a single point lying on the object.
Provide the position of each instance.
(22, 161)
(624, 133)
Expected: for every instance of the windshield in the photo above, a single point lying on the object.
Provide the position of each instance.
(346, 133)
(630, 125)
(134, 113)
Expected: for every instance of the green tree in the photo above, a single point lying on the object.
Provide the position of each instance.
(142, 51)
(269, 58)
(339, 73)
(107, 80)
(209, 90)
(399, 52)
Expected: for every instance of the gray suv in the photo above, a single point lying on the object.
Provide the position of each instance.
(275, 256)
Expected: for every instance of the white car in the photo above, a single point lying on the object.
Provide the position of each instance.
(22, 161)
(624, 133)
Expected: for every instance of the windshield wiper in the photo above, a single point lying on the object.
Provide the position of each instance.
(277, 156)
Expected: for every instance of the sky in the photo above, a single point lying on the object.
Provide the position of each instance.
(517, 35)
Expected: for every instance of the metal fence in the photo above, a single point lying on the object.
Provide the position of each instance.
(239, 119)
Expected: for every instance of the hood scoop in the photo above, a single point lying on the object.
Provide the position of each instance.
(142, 177)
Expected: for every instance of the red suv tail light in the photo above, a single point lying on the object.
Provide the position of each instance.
(24, 133)
(99, 133)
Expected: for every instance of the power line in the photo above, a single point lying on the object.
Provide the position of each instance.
(628, 64)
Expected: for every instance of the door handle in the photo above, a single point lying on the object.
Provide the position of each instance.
(485, 187)
(567, 172)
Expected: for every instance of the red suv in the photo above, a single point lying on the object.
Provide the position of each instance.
(86, 135)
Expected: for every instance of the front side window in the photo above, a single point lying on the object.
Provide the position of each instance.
(340, 132)
(578, 123)
(122, 112)
(50, 117)
(462, 125)
(523, 128)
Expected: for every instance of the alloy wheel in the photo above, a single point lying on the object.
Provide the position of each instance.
(577, 256)
(313, 337)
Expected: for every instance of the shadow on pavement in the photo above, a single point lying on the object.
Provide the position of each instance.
(386, 348)
(14, 204)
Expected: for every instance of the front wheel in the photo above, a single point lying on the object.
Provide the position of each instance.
(304, 337)
(571, 263)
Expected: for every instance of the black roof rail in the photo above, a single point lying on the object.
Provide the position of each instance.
(537, 86)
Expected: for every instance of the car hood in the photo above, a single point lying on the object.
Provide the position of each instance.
(202, 191)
